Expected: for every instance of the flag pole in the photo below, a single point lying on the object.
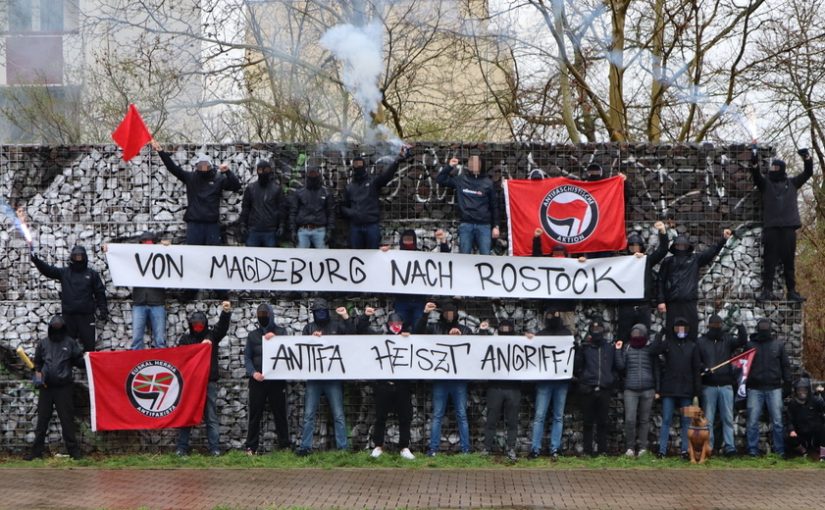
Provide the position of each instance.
(720, 365)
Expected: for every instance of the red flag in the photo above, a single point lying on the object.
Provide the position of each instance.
(743, 363)
(131, 135)
(148, 389)
(582, 216)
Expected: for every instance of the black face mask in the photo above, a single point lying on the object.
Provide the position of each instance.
(596, 338)
(552, 323)
(776, 175)
(263, 320)
(714, 333)
(314, 182)
(206, 174)
(594, 177)
(763, 334)
(264, 178)
(78, 265)
(321, 317)
(359, 173)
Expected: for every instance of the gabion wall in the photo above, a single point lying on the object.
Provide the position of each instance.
(88, 196)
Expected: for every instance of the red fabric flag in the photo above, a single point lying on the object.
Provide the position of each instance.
(148, 389)
(582, 216)
(742, 364)
(131, 135)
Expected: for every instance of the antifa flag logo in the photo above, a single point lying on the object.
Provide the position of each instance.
(569, 214)
(154, 388)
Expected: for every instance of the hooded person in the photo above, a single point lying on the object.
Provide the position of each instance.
(596, 365)
(263, 209)
(148, 307)
(806, 418)
(81, 294)
(503, 395)
(594, 172)
(204, 191)
(324, 324)
(54, 358)
(198, 332)
(263, 390)
(409, 306)
(780, 221)
(361, 202)
(715, 347)
(477, 204)
(312, 212)
(769, 374)
(680, 379)
(639, 365)
(677, 294)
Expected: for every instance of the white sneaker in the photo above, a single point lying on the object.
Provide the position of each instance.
(376, 452)
(642, 452)
(407, 454)
(630, 453)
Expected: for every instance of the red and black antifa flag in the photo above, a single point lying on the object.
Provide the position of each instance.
(148, 389)
(582, 216)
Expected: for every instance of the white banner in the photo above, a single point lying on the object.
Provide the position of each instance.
(374, 271)
(470, 357)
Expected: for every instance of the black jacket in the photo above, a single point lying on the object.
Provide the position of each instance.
(680, 376)
(806, 417)
(333, 327)
(54, 358)
(360, 204)
(312, 207)
(771, 369)
(254, 348)
(203, 194)
(425, 327)
(148, 296)
(652, 259)
(780, 207)
(81, 292)
(475, 196)
(215, 334)
(679, 274)
(712, 352)
(264, 208)
(640, 367)
(596, 365)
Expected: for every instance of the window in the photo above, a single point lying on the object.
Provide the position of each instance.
(20, 15)
(51, 15)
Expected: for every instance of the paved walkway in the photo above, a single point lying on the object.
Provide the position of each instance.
(402, 488)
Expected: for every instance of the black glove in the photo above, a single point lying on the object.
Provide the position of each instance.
(37, 381)
(294, 237)
(102, 315)
(805, 153)
(328, 236)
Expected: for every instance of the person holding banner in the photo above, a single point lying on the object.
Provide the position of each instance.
(640, 366)
(81, 292)
(263, 209)
(716, 346)
(261, 390)
(477, 204)
(443, 391)
(769, 375)
(53, 361)
(200, 332)
(504, 395)
(323, 324)
(312, 213)
(806, 418)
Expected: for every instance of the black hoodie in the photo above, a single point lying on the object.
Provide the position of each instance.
(679, 273)
(55, 355)
(215, 334)
(771, 368)
(681, 371)
(780, 207)
(713, 351)
(264, 207)
(475, 196)
(253, 350)
(360, 203)
(81, 289)
(203, 190)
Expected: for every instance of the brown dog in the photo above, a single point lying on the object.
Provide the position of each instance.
(698, 434)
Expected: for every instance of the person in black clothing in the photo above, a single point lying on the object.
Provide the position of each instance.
(640, 366)
(595, 365)
(361, 205)
(477, 204)
(806, 418)
(502, 394)
(680, 379)
(716, 347)
(53, 361)
(262, 390)
(390, 396)
(638, 311)
(263, 210)
(204, 188)
(678, 291)
(768, 376)
(200, 332)
(81, 292)
(312, 213)
(780, 221)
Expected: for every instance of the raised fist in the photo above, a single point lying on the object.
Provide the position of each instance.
(369, 311)
(537, 232)
(226, 306)
(453, 161)
(659, 226)
(429, 307)
(223, 168)
(342, 312)
(727, 233)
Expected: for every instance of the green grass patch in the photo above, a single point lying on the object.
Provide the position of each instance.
(334, 460)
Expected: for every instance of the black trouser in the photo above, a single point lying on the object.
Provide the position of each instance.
(595, 409)
(630, 314)
(509, 398)
(260, 393)
(81, 326)
(392, 396)
(61, 398)
(686, 310)
(779, 247)
(812, 438)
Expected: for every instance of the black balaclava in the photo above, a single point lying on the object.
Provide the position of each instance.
(57, 328)
(802, 389)
(715, 327)
(681, 246)
(596, 332)
(359, 169)
(552, 320)
(449, 307)
(635, 238)
(681, 321)
(413, 244)
(395, 323)
(638, 336)
(320, 312)
(507, 327)
(594, 172)
(778, 174)
(148, 237)
(264, 170)
(198, 325)
(313, 178)
(78, 260)
(265, 316)
(558, 251)
(763, 330)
